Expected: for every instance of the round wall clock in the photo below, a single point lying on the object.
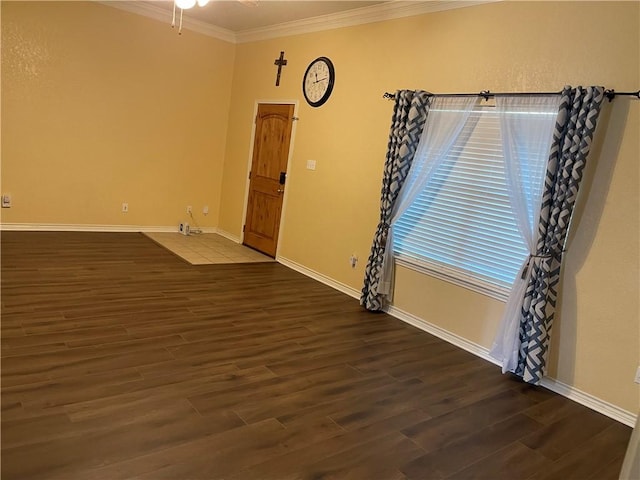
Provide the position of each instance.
(318, 80)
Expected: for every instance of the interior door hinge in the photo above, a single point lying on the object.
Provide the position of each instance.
(249, 174)
(244, 227)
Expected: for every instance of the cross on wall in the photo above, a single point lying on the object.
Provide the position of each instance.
(280, 62)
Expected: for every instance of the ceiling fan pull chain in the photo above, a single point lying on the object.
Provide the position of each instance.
(173, 20)
(180, 29)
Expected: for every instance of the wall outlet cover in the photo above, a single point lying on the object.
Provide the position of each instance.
(184, 228)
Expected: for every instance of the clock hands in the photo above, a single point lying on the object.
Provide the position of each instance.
(318, 80)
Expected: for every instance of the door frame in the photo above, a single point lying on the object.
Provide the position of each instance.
(294, 125)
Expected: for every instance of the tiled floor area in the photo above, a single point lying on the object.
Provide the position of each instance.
(207, 248)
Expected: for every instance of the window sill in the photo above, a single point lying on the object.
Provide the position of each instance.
(455, 277)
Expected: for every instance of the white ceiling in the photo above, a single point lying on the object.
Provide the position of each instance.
(239, 21)
(239, 16)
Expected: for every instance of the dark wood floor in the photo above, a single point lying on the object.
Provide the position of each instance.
(119, 360)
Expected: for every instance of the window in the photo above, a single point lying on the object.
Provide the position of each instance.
(461, 227)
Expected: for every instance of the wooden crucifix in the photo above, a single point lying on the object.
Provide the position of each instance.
(280, 62)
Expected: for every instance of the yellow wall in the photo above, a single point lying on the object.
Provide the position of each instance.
(332, 212)
(101, 107)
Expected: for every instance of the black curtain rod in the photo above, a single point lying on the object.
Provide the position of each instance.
(486, 94)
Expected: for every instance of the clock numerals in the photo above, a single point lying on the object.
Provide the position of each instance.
(317, 83)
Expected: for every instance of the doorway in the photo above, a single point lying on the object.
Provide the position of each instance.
(268, 176)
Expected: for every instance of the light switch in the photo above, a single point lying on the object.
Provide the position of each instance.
(311, 164)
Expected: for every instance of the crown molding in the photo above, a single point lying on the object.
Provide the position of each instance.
(359, 16)
(157, 13)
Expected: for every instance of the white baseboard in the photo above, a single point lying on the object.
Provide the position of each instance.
(227, 235)
(588, 400)
(552, 384)
(442, 334)
(572, 393)
(341, 287)
(68, 227)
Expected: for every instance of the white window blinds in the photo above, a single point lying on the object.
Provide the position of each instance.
(461, 225)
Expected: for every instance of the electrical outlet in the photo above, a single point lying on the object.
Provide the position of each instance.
(6, 200)
(189, 209)
(353, 259)
(638, 375)
(125, 207)
(205, 210)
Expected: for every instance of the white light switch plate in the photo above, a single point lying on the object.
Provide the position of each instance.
(311, 164)
(638, 375)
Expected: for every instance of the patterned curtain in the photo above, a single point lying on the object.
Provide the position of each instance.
(407, 123)
(575, 125)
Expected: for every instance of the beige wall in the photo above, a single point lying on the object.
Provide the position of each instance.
(332, 212)
(101, 107)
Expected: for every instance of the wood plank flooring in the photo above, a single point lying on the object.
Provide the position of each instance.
(119, 360)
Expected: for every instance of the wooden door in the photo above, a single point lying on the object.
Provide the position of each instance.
(268, 176)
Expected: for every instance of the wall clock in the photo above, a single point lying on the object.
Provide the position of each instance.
(317, 82)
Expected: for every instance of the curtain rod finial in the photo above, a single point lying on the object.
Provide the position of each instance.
(610, 93)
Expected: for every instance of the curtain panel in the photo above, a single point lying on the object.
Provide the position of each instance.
(448, 116)
(575, 126)
(407, 123)
(526, 142)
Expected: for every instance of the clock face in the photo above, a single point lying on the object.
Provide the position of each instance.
(318, 80)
